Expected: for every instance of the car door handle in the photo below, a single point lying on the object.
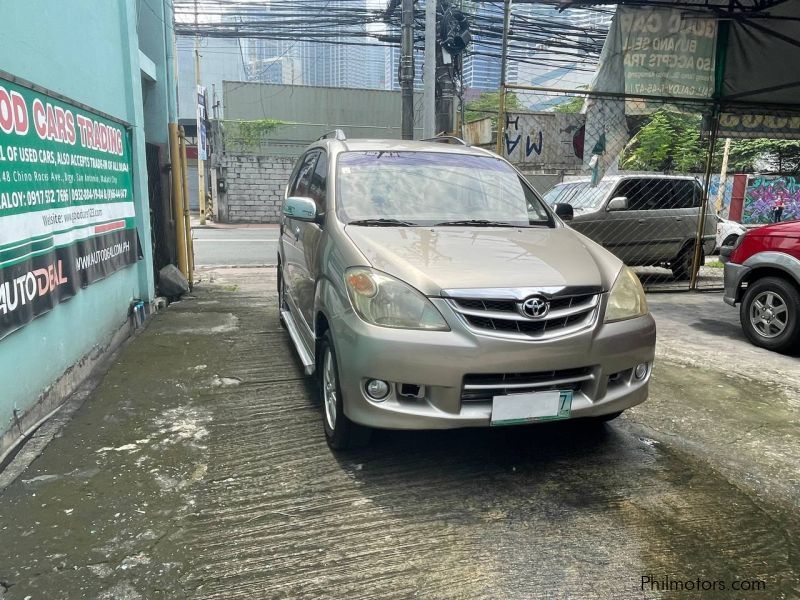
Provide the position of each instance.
(679, 218)
(296, 234)
(640, 221)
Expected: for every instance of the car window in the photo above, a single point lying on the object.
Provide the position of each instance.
(585, 195)
(646, 194)
(429, 188)
(686, 194)
(317, 188)
(560, 193)
(302, 181)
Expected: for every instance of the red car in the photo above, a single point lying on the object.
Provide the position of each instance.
(763, 275)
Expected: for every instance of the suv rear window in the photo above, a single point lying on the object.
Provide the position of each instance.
(429, 188)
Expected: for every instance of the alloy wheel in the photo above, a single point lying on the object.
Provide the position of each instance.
(769, 314)
(329, 389)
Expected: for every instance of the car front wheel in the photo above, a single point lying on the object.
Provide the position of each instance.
(769, 314)
(340, 432)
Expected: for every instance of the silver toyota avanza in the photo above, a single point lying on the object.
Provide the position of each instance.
(427, 286)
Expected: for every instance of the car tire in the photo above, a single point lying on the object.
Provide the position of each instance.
(281, 299)
(682, 265)
(770, 314)
(340, 432)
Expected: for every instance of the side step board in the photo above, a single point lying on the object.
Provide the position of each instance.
(305, 355)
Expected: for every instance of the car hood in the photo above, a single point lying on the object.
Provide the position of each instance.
(789, 229)
(436, 259)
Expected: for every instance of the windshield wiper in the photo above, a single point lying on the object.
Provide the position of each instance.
(381, 223)
(478, 223)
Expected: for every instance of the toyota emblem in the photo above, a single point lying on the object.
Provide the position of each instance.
(535, 307)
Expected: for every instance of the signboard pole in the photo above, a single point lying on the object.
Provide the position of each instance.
(177, 199)
(186, 217)
(201, 138)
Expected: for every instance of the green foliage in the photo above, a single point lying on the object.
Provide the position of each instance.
(764, 155)
(488, 104)
(574, 105)
(667, 141)
(670, 141)
(249, 135)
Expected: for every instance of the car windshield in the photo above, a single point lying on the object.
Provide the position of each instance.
(579, 194)
(433, 188)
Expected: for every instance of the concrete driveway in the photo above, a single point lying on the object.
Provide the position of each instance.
(198, 469)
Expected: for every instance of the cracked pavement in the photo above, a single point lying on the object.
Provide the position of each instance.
(198, 469)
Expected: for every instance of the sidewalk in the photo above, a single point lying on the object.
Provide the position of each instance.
(129, 500)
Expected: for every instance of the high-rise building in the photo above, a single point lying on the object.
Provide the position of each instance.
(344, 59)
(481, 72)
(392, 68)
(533, 64)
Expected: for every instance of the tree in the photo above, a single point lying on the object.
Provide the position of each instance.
(671, 141)
(765, 156)
(488, 105)
(667, 141)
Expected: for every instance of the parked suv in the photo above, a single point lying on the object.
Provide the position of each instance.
(646, 220)
(762, 275)
(428, 286)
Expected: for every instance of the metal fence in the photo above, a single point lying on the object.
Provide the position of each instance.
(654, 179)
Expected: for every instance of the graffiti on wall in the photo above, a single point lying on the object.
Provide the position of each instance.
(764, 193)
(547, 140)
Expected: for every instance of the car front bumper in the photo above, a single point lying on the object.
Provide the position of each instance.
(734, 273)
(440, 360)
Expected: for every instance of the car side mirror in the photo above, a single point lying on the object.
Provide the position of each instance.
(564, 211)
(617, 203)
(300, 208)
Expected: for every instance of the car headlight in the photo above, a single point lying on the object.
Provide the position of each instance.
(382, 300)
(626, 299)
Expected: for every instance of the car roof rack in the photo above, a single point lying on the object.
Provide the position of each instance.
(446, 139)
(336, 134)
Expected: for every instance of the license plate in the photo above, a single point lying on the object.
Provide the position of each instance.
(516, 409)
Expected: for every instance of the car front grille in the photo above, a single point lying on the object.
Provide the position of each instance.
(483, 387)
(567, 315)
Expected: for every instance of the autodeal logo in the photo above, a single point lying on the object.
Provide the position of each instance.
(24, 289)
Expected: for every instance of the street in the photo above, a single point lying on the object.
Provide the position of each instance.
(198, 468)
(245, 246)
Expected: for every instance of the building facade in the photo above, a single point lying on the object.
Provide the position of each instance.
(76, 254)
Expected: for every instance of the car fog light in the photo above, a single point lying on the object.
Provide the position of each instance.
(377, 389)
(640, 372)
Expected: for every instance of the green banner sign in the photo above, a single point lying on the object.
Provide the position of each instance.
(67, 215)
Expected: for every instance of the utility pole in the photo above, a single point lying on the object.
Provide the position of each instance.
(201, 176)
(429, 93)
(446, 89)
(501, 113)
(407, 68)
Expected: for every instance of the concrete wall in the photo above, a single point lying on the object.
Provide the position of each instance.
(89, 53)
(360, 113)
(254, 187)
